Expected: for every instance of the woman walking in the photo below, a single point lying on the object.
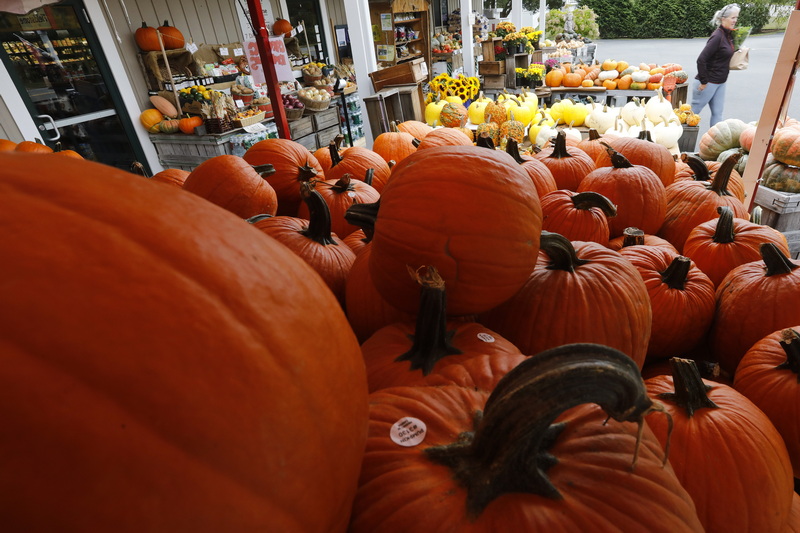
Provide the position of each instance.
(713, 64)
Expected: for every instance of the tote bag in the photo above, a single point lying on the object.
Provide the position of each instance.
(740, 59)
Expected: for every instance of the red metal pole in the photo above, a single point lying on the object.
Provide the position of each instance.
(264, 50)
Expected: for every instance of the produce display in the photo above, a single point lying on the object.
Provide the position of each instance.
(291, 101)
(612, 74)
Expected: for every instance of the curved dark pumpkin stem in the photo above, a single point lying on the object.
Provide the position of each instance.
(267, 170)
(485, 141)
(644, 135)
(416, 142)
(594, 135)
(512, 149)
(343, 184)
(508, 452)
(790, 341)
(307, 172)
(431, 340)
(560, 149)
(632, 237)
(723, 175)
(257, 218)
(676, 273)
(138, 168)
(587, 200)
(698, 167)
(319, 216)
(560, 251)
(724, 232)
(363, 216)
(691, 394)
(617, 159)
(776, 262)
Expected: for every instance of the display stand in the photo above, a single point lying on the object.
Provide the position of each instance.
(776, 104)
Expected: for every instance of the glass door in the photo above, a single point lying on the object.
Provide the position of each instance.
(60, 71)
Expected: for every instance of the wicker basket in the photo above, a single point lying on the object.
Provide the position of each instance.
(309, 80)
(294, 114)
(247, 121)
(217, 125)
(315, 105)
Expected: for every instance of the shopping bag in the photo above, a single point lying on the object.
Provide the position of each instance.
(740, 59)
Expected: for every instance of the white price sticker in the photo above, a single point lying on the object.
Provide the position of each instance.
(191, 47)
(485, 337)
(408, 431)
(238, 52)
(223, 50)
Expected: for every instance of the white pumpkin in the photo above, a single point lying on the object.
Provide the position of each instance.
(632, 112)
(658, 107)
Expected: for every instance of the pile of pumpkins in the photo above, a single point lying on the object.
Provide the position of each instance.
(614, 75)
(592, 337)
(521, 117)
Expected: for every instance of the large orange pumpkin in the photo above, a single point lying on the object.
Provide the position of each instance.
(447, 207)
(146, 38)
(171, 36)
(159, 373)
(496, 463)
(281, 26)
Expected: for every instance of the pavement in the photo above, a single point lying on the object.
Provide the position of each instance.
(746, 90)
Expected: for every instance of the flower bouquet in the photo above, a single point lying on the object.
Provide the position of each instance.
(739, 35)
(504, 28)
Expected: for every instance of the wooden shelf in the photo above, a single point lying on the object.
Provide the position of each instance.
(408, 58)
(380, 10)
(401, 43)
(398, 22)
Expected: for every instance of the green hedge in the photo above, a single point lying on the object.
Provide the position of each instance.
(644, 19)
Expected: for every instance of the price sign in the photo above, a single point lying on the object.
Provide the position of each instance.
(279, 56)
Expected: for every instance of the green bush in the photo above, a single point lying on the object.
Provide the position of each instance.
(614, 17)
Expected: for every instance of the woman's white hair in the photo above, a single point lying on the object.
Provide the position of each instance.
(726, 11)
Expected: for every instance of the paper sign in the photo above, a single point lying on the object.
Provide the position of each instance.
(386, 22)
(280, 58)
(223, 50)
(385, 52)
(255, 128)
(191, 47)
(238, 52)
(239, 103)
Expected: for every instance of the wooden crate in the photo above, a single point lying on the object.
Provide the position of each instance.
(487, 48)
(491, 68)
(325, 119)
(325, 136)
(187, 151)
(494, 82)
(781, 211)
(408, 72)
(301, 127)
(309, 141)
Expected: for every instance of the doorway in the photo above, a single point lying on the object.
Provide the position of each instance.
(57, 64)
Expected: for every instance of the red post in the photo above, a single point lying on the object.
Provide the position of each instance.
(265, 51)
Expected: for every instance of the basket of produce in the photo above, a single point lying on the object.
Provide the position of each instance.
(292, 106)
(264, 104)
(217, 125)
(311, 73)
(245, 94)
(246, 118)
(314, 98)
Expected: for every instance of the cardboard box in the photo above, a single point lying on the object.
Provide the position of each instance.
(407, 72)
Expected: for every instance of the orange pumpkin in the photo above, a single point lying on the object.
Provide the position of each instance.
(7, 146)
(554, 78)
(138, 399)
(171, 37)
(610, 84)
(30, 146)
(572, 79)
(624, 83)
(281, 26)
(151, 118)
(188, 124)
(146, 38)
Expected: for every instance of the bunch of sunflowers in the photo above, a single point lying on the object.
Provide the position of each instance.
(462, 86)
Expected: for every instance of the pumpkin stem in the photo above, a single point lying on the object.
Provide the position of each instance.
(264, 170)
(587, 200)
(512, 149)
(257, 218)
(698, 166)
(485, 141)
(508, 452)
(560, 251)
(676, 273)
(393, 127)
(723, 175)
(776, 262)
(138, 169)
(617, 159)
(363, 216)
(790, 341)
(593, 135)
(560, 150)
(416, 142)
(644, 135)
(319, 219)
(724, 232)
(369, 175)
(431, 340)
(691, 394)
(306, 172)
(343, 184)
(632, 237)
(336, 157)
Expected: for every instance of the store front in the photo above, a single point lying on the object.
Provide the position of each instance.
(61, 74)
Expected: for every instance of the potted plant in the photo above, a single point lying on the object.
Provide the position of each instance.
(535, 74)
(533, 36)
(515, 42)
(504, 28)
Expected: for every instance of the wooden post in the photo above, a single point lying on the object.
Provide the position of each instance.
(776, 104)
(265, 51)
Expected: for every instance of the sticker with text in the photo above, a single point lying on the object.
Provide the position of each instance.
(485, 337)
(408, 431)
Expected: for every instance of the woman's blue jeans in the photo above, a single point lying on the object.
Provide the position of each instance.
(713, 96)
